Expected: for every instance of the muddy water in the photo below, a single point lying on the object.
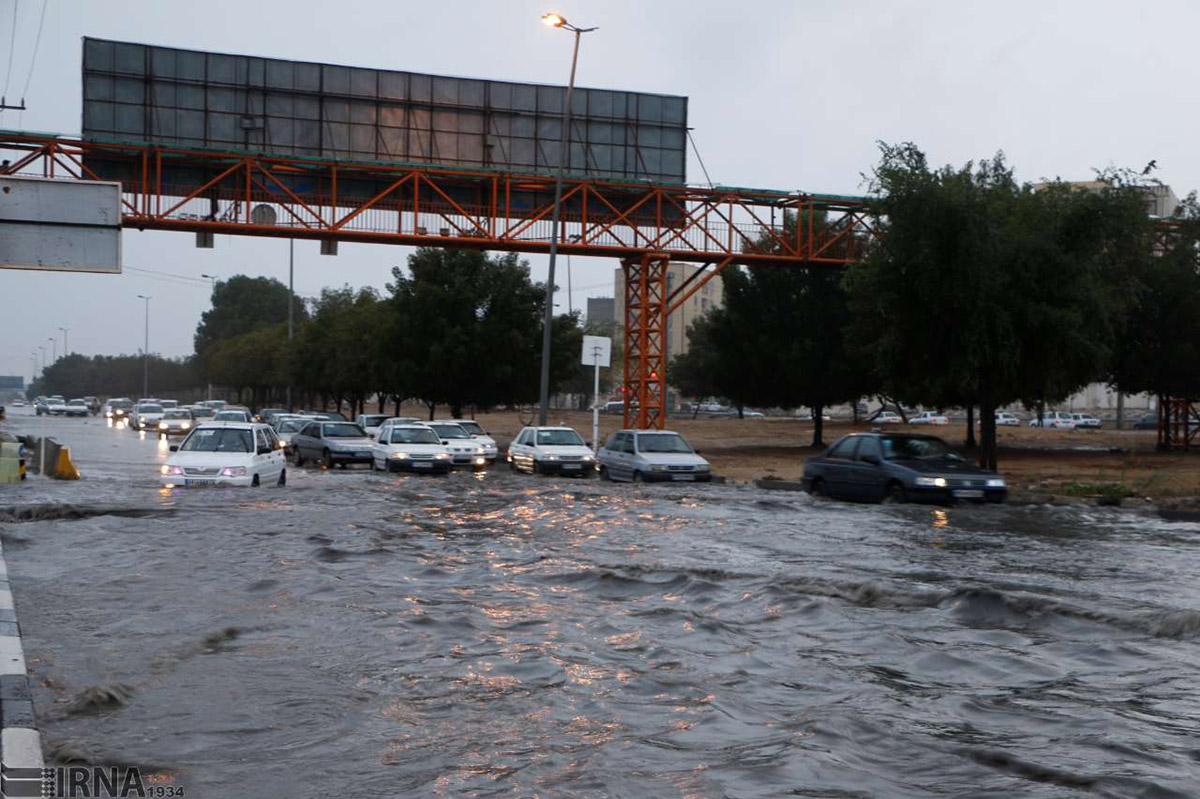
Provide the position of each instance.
(361, 635)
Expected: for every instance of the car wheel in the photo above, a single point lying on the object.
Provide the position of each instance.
(895, 495)
(282, 477)
(817, 487)
(604, 475)
(637, 477)
(254, 482)
(327, 459)
(297, 458)
(513, 466)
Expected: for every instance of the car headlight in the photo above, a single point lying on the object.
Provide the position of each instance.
(162, 425)
(169, 469)
(935, 482)
(442, 456)
(551, 457)
(658, 467)
(702, 467)
(588, 458)
(233, 471)
(185, 425)
(995, 482)
(480, 461)
(402, 455)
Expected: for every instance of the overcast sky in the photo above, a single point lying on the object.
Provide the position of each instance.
(785, 95)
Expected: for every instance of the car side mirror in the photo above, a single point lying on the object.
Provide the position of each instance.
(174, 448)
(264, 450)
(871, 459)
(445, 441)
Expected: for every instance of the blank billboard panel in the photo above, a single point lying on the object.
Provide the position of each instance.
(184, 98)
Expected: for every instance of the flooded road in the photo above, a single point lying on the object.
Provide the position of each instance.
(504, 635)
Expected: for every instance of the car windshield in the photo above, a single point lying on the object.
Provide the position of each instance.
(449, 431)
(231, 416)
(558, 438)
(292, 425)
(216, 439)
(915, 447)
(205, 413)
(150, 409)
(177, 415)
(77, 402)
(342, 430)
(472, 427)
(661, 442)
(375, 420)
(414, 435)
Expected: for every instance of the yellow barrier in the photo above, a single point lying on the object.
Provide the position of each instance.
(65, 468)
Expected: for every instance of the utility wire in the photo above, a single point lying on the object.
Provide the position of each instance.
(696, 150)
(12, 46)
(36, 43)
(203, 280)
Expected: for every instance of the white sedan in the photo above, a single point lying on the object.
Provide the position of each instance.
(1005, 419)
(888, 417)
(411, 448)
(546, 450)
(1057, 420)
(228, 453)
(929, 417)
(490, 451)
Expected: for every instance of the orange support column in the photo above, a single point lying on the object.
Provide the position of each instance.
(645, 324)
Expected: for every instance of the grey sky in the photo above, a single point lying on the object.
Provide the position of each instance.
(784, 95)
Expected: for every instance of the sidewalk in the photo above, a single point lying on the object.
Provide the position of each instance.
(20, 744)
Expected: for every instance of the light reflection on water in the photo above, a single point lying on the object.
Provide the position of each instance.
(501, 634)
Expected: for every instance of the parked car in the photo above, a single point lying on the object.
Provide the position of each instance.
(370, 422)
(551, 450)
(118, 409)
(332, 416)
(411, 448)
(473, 428)
(874, 467)
(464, 449)
(232, 415)
(888, 417)
(77, 407)
(1005, 419)
(395, 420)
(331, 443)
(929, 417)
(1058, 420)
(175, 422)
(651, 455)
(227, 453)
(145, 415)
(615, 406)
(1086, 421)
(1147, 421)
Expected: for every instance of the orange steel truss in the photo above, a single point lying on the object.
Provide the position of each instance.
(1178, 422)
(643, 224)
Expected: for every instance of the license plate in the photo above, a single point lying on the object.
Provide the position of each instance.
(968, 493)
(420, 465)
(683, 477)
(192, 481)
(364, 454)
(571, 466)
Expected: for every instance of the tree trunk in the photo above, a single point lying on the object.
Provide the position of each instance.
(987, 433)
(396, 400)
(818, 411)
(1041, 413)
(456, 410)
(432, 409)
(970, 442)
(1120, 410)
(854, 406)
(380, 400)
(741, 412)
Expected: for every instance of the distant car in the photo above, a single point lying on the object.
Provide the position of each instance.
(395, 420)
(77, 407)
(1147, 421)
(370, 422)
(93, 404)
(232, 415)
(651, 456)
(1057, 420)
(473, 428)
(929, 417)
(332, 416)
(888, 417)
(616, 406)
(201, 412)
(877, 467)
(411, 448)
(168, 403)
(286, 429)
(216, 405)
(1005, 419)
(551, 450)
(331, 443)
(18, 403)
(226, 453)
(146, 415)
(118, 409)
(1086, 421)
(749, 414)
(464, 449)
(176, 422)
(267, 415)
(56, 406)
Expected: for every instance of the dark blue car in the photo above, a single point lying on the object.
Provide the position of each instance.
(877, 467)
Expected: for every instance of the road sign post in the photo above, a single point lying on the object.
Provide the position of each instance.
(597, 352)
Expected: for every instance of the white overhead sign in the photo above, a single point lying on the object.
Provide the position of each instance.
(597, 351)
(60, 225)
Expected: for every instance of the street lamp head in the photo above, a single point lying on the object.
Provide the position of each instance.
(554, 20)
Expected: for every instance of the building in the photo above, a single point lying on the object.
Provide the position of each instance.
(708, 297)
(1160, 199)
(601, 310)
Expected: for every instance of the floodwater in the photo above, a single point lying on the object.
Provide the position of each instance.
(503, 635)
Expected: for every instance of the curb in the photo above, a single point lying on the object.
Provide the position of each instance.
(20, 743)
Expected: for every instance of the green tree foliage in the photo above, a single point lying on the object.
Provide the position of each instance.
(78, 375)
(254, 362)
(336, 351)
(982, 291)
(242, 305)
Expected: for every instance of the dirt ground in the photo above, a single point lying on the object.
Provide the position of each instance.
(1052, 465)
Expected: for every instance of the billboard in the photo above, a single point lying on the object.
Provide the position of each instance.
(193, 99)
(60, 225)
(12, 383)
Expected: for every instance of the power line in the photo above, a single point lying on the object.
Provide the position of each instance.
(205, 281)
(36, 43)
(12, 46)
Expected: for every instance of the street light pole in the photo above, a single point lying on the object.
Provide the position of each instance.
(146, 351)
(291, 313)
(212, 299)
(66, 349)
(556, 21)
(53, 349)
(43, 349)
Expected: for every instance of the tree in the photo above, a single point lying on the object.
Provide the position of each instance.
(979, 290)
(242, 305)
